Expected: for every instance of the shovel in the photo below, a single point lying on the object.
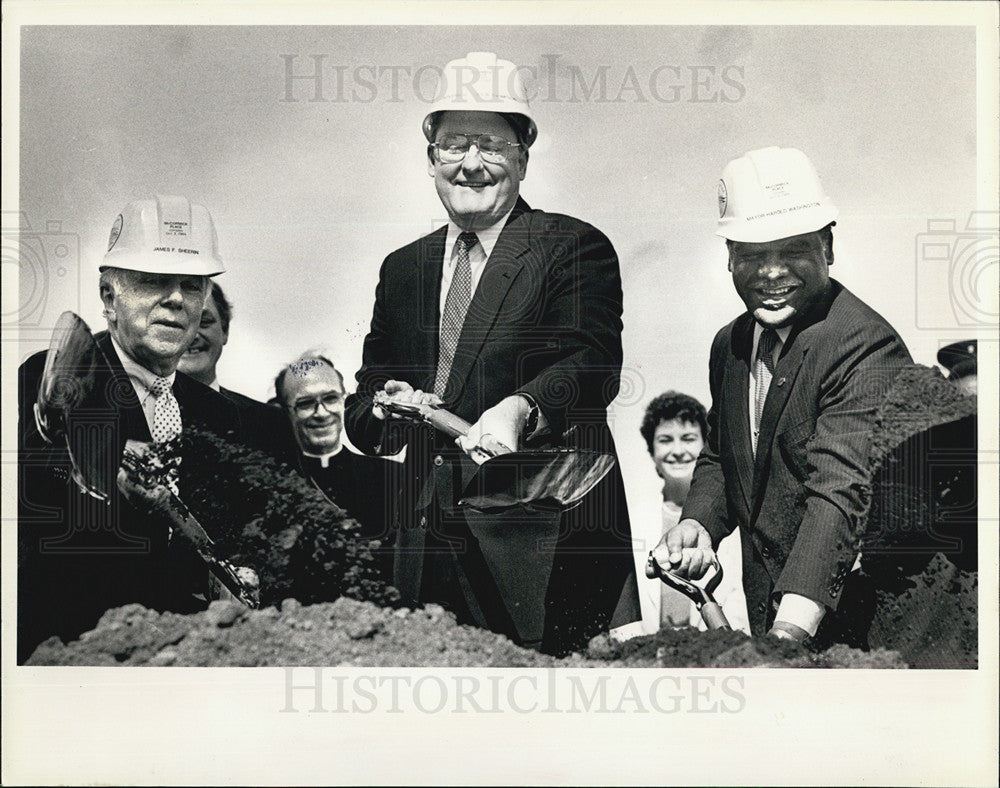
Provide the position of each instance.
(158, 501)
(68, 379)
(553, 480)
(711, 611)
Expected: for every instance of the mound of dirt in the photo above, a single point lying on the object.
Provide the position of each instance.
(919, 547)
(360, 634)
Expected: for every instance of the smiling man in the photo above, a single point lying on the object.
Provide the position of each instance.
(78, 557)
(510, 317)
(796, 382)
(311, 392)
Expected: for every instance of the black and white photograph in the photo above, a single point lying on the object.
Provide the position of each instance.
(594, 390)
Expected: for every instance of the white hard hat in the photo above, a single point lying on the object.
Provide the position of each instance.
(769, 194)
(165, 235)
(479, 82)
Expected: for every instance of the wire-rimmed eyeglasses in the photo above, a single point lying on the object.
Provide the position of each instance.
(452, 148)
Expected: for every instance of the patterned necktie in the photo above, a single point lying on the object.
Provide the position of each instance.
(455, 307)
(166, 412)
(763, 367)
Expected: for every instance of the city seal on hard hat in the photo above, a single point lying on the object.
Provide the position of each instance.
(480, 82)
(164, 235)
(769, 194)
(116, 231)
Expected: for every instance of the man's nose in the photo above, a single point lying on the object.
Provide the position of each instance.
(173, 295)
(472, 161)
(771, 267)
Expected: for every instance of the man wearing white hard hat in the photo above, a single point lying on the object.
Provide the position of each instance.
(796, 381)
(78, 557)
(510, 318)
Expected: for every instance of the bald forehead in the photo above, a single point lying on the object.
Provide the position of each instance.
(310, 376)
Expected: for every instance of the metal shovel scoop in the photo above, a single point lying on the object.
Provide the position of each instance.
(68, 380)
(542, 479)
(711, 611)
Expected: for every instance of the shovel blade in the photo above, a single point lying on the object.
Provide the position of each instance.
(549, 480)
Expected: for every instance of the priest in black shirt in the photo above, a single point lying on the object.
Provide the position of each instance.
(311, 392)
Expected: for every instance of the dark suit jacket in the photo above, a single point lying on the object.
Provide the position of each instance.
(78, 556)
(545, 320)
(264, 428)
(801, 504)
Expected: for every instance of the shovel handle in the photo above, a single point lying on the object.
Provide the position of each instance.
(712, 615)
(451, 425)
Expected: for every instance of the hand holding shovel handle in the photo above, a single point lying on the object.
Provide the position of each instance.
(553, 479)
(711, 611)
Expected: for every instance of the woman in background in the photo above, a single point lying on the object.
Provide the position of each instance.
(674, 428)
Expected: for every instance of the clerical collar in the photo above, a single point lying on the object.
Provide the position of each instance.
(324, 459)
(138, 373)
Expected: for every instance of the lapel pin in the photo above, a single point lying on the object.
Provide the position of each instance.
(781, 381)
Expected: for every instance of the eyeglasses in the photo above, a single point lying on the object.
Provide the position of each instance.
(493, 148)
(304, 408)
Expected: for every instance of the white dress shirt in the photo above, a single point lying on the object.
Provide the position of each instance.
(479, 255)
(758, 329)
(142, 380)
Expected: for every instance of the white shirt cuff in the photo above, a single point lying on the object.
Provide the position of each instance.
(801, 611)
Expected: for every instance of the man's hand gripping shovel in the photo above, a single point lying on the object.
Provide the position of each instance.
(701, 595)
(553, 479)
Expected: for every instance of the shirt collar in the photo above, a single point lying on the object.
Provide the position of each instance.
(782, 333)
(487, 238)
(324, 459)
(136, 371)
(215, 384)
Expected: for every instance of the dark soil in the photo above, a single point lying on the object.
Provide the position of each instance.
(360, 634)
(919, 546)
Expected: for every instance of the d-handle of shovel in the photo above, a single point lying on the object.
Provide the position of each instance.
(710, 610)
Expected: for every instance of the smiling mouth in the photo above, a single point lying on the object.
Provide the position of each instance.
(770, 291)
(474, 184)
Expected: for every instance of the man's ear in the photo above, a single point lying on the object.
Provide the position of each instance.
(108, 299)
(523, 165)
(430, 160)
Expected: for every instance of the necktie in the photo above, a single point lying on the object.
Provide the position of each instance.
(763, 372)
(166, 412)
(455, 307)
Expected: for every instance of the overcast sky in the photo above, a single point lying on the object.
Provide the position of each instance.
(635, 126)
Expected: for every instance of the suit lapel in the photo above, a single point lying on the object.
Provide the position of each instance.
(122, 393)
(502, 269)
(793, 353)
(738, 417)
(429, 263)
